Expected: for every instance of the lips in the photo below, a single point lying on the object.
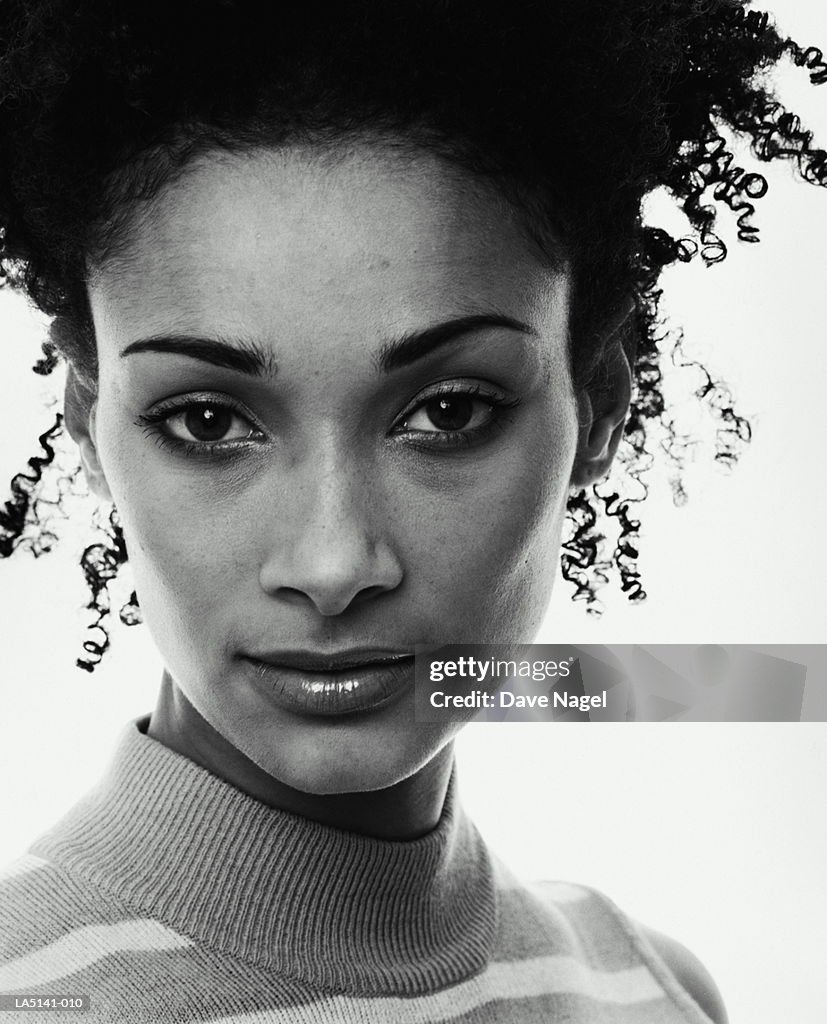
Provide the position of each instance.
(333, 683)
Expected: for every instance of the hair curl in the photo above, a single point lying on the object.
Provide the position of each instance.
(574, 112)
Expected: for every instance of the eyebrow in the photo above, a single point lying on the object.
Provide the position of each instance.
(243, 356)
(417, 344)
(253, 359)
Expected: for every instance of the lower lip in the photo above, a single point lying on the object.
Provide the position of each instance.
(345, 692)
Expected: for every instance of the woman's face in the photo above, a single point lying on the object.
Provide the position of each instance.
(336, 417)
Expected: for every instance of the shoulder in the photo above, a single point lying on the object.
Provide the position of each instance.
(39, 904)
(18, 900)
(580, 918)
(690, 972)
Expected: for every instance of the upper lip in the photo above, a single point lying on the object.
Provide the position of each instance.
(332, 661)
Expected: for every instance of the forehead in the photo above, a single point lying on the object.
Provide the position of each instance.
(319, 242)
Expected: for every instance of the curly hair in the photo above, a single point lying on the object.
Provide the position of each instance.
(574, 112)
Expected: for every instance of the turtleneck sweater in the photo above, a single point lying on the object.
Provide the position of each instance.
(167, 895)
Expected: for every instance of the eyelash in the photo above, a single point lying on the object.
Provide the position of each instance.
(154, 420)
(435, 439)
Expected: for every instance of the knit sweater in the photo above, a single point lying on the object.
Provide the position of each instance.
(167, 895)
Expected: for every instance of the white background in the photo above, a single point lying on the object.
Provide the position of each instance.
(714, 833)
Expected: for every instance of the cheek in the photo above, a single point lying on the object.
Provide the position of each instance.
(183, 539)
(489, 555)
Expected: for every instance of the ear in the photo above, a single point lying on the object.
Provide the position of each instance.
(79, 406)
(602, 407)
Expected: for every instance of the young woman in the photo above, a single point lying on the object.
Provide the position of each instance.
(354, 308)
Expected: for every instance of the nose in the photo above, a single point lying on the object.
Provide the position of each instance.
(331, 546)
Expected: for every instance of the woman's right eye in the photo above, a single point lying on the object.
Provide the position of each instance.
(200, 425)
(209, 423)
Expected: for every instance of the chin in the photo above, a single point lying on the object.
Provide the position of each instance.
(325, 780)
(324, 770)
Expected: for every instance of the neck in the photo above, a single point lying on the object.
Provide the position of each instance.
(404, 811)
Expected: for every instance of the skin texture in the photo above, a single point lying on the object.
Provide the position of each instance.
(345, 522)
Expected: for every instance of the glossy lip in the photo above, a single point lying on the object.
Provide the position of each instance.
(336, 683)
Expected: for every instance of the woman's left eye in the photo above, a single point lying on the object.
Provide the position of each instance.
(456, 414)
(450, 413)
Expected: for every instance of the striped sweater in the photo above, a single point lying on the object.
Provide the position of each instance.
(167, 895)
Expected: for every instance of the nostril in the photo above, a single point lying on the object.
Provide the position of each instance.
(329, 604)
(367, 593)
(293, 595)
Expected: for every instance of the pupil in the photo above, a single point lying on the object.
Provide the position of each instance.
(208, 422)
(450, 412)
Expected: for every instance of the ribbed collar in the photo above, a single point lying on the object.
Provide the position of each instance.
(342, 911)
